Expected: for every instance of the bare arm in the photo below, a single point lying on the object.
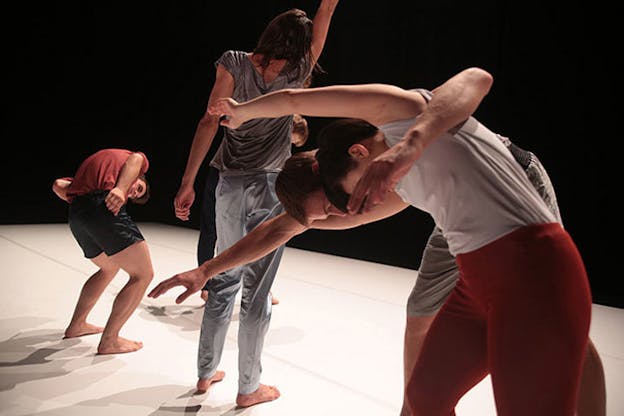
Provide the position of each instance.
(202, 140)
(376, 103)
(60, 187)
(130, 171)
(264, 239)
(391, 206)
(452, 102)
(321, 21)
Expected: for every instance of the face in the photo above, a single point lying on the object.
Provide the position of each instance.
(318, 207)
(137, 189)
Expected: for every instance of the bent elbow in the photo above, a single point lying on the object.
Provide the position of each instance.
(481, 78)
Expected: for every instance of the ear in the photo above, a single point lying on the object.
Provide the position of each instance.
(358, 151)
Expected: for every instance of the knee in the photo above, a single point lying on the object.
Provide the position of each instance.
(144, 276)
(108, 272)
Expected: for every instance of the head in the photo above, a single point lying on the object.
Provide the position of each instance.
(300, 191)
(344, 151)
(300, 131)
(288, 36)
(139, 191)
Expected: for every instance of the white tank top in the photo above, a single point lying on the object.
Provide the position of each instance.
(470, 184)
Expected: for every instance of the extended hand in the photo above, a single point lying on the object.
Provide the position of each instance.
(227, 107)
(115, 199)
(193, 280)
(183, 201)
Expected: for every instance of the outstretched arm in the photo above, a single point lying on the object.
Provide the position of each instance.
(452, 102)
(265, 238)
(320, 27)
(261, 241)
(376, 103)
(60, 187)
(202, 140)
(129, 173)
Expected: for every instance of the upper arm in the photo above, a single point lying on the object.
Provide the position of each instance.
(391, 206)
(320, 27)
(223, 86)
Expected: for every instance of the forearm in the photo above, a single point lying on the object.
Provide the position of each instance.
(264, 239)
(452, 103)
(391, 206)
(204, 136)
(130, 171)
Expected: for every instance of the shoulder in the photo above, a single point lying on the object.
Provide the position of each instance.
(232, 58)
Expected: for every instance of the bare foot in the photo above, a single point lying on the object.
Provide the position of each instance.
(80, 330)
(118, 345)
(204, 295)
(203, 384)
(263, 394)
(274, 300)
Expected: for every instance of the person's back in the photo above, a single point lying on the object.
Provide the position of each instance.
(248, 160)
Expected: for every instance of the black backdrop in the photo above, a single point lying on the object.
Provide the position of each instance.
(83, 76)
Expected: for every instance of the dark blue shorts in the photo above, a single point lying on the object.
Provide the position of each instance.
(97, 230)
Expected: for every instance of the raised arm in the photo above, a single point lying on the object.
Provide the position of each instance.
(129, 173)
(452, 102)
(376, 103)
(202, 140)
(321, 21)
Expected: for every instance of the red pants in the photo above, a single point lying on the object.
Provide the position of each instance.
(520, 312)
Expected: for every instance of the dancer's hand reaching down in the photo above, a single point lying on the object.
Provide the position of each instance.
(193, 280)
(229, 108)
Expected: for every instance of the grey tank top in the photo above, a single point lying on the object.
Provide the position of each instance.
(262, 144)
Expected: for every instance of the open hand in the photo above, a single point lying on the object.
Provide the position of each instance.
(193, 280)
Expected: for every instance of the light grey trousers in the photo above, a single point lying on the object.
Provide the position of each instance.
(243, 201)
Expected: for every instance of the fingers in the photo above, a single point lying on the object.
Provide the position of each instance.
(184, 296)
(163, 287)
(114, 203)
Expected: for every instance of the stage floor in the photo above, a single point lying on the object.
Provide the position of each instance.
(334, 346)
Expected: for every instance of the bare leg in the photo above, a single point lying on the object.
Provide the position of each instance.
(592, 400)
(262, 394)
(89, 295)
(203, 384)
(416, 329)
(135, 260)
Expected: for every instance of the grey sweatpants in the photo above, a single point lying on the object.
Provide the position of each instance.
(242, 203)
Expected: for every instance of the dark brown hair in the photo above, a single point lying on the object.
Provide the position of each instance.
(333, 155)
(142, 200)
(294, 184)
(288, 36)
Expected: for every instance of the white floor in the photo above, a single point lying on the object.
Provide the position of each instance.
(334, 347)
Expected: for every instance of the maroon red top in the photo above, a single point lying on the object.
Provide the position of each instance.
(100, 171)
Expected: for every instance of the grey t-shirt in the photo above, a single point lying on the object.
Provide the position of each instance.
(258, 145)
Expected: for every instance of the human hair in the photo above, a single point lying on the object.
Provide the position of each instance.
(295, 182)
(142, 200)
(300, 127)
(288, 36)
(335, 162)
